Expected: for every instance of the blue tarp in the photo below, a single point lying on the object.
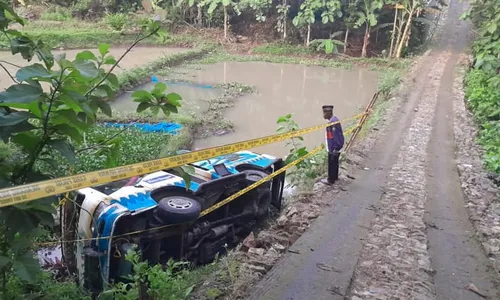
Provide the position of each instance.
(164, 127)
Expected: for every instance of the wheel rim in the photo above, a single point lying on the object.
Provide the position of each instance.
(179, 203)
(254, 176)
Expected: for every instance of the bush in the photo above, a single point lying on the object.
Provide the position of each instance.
(127, 147)
(90, 9)
(483, 81)
(116, 21)
(44, 288)
(56, 13)
(482, 98)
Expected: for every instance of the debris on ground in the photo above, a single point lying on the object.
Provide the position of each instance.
(475, 290)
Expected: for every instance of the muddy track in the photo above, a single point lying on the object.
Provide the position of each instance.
(401, 230)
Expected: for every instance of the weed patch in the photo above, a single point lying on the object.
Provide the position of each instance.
(482, 83)
(282, 49)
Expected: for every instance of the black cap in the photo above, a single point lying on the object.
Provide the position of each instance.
(327, 107)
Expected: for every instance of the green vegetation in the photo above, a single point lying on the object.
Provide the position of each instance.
(56, 13)
(136, 76)
(59, 132)
(45, 133)
(376, 64)
(116, 21)
(282, 49)
(482, 83)
(44, 287)
(174, 281)
(122, 146)
(74, 34)
(384, 28)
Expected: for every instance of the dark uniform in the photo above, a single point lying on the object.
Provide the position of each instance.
(334, 143)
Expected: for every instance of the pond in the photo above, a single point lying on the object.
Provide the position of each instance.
(135, 58)
(286, 88)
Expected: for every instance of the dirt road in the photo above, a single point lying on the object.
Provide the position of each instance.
(401, 230)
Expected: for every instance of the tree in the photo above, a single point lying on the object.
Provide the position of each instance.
(306, 17)
(368, 15)
(213, 4)
(190, 3)
(37, 121)
(329, 10)
(350, 19)
(409, 8)
(282, 19)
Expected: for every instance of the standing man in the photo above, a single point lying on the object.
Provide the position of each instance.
(334, 142)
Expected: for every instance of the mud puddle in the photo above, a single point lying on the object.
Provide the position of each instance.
(282, 89)
(194, 96)
(136, 57)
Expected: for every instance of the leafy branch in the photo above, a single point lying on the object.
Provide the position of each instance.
(38, 123)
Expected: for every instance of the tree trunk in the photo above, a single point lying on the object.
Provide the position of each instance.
(366, 41)
(308, 34)
(199, 18)
(143, 291)
(405, 34)
(284, 21)
(68, 230)
(399, 29)
(225, 23)
(284, 29)
(393, 32)
(345, 40)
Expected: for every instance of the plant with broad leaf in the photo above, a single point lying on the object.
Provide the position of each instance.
(49, 107)
(147, 281)
(281, 24)
(330, 45)
(367, 15)
(486, 17)
(330, 9)
(306, 17)
(296, 148)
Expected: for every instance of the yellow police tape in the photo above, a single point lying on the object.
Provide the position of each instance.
(265, 179)
(257, 183)
(206, 211)
(37, 190)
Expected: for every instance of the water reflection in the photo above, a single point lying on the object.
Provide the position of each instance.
(281, 89)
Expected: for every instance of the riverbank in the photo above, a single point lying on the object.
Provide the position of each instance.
(228, 268)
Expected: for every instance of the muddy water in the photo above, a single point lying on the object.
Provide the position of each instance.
(194, 97)
(135, 58)
(282, 89)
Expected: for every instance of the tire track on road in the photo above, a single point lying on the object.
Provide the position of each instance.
(395, 262)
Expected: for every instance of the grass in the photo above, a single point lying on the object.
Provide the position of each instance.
(302, 55)
(374, 64)
(387, 84)
(74, 34)
(282, 49)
